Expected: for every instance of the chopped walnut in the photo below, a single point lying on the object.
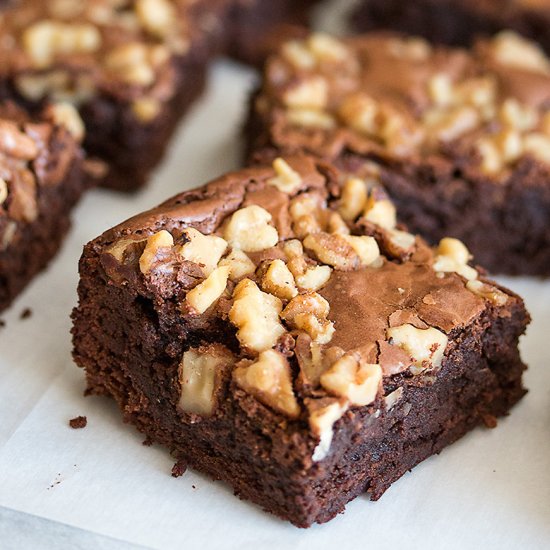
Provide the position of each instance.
(306, 277)
(279, 281)
(333, 250)
(269, 379)
(393, 398)
(3, 191)
(365, 247)
(360, 112)
(65, 114)
(314, 359)
(198, 375)
(205, 250)
(307, 212)
(308, 312)
(134, 62)
(518, 116)
(353, 199)
(327, 49)
(336, 224)
(155, 244)
(426, 347)
(256, 316)
(286, 180)
(353, 379)
(240, 265)
(15, 143)
(453, 256)
(538, 146)
(512, 50)
(248, 229)
(146, 109)
(205, 294)
(298, 54)
(157, 16)
(310, 93)
(380, 212)
(489, 292)
(323, 414)
(46, 39)
(413, 48)
(310, 118)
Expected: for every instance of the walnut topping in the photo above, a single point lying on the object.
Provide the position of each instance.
(426, 347)
(512, 50)
(3, 191)
(310, 93)
(65, 114)
(326, 48)
(380, 212)
(146, 109)
(313, 359)
(306, 277)
(120, 249)
(307, 212)
(365, 247)
(47, 39)
(15, 143)
(157, 16)
(240, 265)
(286, 180)
(413, 48)
(453, 256)
(538, 146)
(310, 118)
(198, 374)
(200, 298)
(155, 244)
(205, 250)
(333, 250)
(322, 418)
(298, 54)
(249, 230)
(517, 116)
(353, 379)
(308, 312)
(135, 62)
(269, 380)
(279, 281)
(353, 199)
(256, 315)
(489, 292)
(393, 398)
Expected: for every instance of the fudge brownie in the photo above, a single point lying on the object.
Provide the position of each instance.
(457, 22)
(461, 138)
(277, 330)
(131, 67)
(42, 175)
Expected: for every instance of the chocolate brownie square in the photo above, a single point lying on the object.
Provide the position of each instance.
(461, 139)
(42, 175)
(456, 22)
(278, 330)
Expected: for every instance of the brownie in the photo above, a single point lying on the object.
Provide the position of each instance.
(461, 139)
(42, 175)
(278, 330)
(456, 22)
(133, 67)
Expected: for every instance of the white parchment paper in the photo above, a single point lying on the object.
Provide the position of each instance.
(489, 490)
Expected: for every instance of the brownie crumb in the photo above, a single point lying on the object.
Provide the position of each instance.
(25, 314)
(193, 486)
(490, 421)
(179, 468)
(2, 323)
(147, 442)
(78, 422)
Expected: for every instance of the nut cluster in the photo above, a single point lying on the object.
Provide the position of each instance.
(472, 108)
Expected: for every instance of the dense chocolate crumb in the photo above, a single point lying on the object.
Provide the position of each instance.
(179, 468)
(26, 313)
(78, 422)
(2, 323)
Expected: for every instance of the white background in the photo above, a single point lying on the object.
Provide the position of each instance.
(489, 490)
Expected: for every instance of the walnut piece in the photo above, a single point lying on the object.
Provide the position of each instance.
(205, 294)
(240, 265)
(286, 180)
(426, 347)
(321, 421)
(3, 191)
(333, 250)
(45, 40)
(512, 50)
(15, 143)
(146, 109)
(66, 115)
(156, 243)
(279, 281)
(353, 199)
(488, 292)
(156, 16)
(313, 359)
(306, 277)
(270, 381)
(204, 250)
(380, 212)
(308, 312)
(353, 379)
(453, 256)
(248, 229)
(256, 315)
(198, 375)
(309, 93)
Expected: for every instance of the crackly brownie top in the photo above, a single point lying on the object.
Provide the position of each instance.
(74, 49)
(301, 285)
(35, 153)
(486, 110)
